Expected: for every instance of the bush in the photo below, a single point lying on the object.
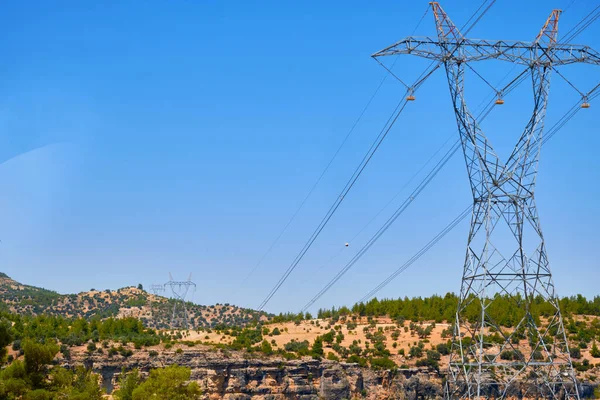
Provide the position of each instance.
(358, 360)
(168, 383)
(266, 348)
(383, 363)
(91, 347)
(416, 352)
(594, 352)
(575, 352)
(298, 347)
(443, 349)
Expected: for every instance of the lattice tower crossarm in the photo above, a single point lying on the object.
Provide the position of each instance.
(489, 359)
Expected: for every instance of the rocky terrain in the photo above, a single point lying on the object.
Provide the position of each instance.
(232, 375)
(154, 311)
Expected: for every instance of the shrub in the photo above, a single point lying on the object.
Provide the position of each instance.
(575, 352)
(358, 360)
(383, 363)
(415, 351)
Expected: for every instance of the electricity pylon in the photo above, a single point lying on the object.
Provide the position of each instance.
(157, 290)
(180, 289)
(488, 360)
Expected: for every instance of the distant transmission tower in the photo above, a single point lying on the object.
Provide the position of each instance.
(180, 290)
(531, 359)
(156, 290)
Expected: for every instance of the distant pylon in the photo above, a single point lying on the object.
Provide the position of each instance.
(506, 254)
(157, 290)
(180, 289)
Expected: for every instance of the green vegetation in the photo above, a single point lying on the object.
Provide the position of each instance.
(76, 332)
(166, 383)
(504, 309)
(34, 378)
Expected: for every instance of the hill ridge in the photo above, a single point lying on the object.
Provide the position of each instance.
(129, 301)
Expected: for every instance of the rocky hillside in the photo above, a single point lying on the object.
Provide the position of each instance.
(154, 311)
(233, 375)
(237, 375)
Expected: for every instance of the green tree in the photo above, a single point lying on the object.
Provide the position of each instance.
(91, 347)
(317, 348)
(266, 347)
(140, 286)
(594, 352)
(128, 382)
(85, 385)
(13, 381)
(37, 358)
(168, 383)
(416, 351)
(329, 336)
(6, 337)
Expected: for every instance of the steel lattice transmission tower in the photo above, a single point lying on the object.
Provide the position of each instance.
(157, 290)
(180, 290)
(531, 359)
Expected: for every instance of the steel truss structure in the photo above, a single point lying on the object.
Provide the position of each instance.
(180, 290)
(488, 359)
(156, 290)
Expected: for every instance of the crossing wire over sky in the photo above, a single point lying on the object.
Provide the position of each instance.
(412, 196)
(333, 158)
(368, 156)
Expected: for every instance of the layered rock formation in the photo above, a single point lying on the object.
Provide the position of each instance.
(223, 375)
(233, 375)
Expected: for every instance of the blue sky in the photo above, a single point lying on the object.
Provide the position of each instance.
(142, 138)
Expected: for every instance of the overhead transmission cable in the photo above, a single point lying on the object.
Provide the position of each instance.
(382, 209)
(358, 171)
(428, 178)
(340, 198)
(310, 192)
(419, 254)
(312, 189)
(582, 25)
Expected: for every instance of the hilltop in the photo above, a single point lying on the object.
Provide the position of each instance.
(154, 311)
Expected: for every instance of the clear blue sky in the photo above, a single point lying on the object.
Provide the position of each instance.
(144, 137)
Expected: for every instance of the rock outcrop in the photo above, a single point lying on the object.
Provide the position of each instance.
(226, 375)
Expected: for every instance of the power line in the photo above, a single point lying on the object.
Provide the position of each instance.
(428, 178)
(586, 21)
(310, 192)
(419, 254)
(357, 172)
(385, 226)
(361, 167)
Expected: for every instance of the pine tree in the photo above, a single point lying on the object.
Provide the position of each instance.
(594, 352)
